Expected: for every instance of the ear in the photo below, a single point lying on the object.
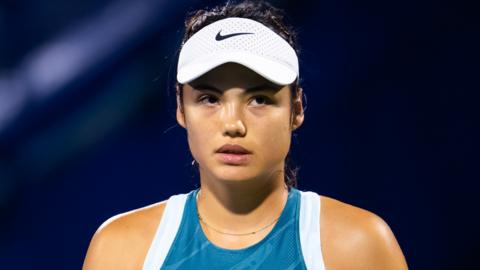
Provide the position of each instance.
(180, 112)
(298, 115)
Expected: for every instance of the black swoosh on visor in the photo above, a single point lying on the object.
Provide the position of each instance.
(219, 36)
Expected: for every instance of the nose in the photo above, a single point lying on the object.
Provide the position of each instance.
(233, 122)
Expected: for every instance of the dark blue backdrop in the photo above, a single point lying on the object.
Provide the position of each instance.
(87, 126)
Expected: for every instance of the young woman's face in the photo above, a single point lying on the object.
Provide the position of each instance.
(234, 105)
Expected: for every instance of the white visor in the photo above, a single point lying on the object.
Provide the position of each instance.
(238, 40)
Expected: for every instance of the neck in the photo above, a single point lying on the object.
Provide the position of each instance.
(241, 206)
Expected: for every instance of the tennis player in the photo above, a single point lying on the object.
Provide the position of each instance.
(239, 100)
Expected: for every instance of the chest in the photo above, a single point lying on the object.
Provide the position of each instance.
(279, 249)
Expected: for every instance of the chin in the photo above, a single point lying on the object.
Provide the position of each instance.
(234, 173)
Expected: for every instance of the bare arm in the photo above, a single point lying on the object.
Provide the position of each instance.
(376, 247)
(358, 239)
(122, 242)
(106, 249)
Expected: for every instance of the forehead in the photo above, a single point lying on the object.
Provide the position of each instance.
(232, 75)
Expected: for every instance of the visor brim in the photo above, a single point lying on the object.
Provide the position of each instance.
(269, 69)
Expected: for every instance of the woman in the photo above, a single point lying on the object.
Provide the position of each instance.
(239, 101)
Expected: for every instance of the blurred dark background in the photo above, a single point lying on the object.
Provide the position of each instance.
(87, 127)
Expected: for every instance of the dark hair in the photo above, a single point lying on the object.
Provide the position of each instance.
(259, 11)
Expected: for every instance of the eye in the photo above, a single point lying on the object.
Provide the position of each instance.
(260, 100)
(208, 99)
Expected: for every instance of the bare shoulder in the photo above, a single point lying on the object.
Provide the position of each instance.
(354, 238)
(122, 241)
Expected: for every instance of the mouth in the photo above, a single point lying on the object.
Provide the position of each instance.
(234, 154)
(233, 149)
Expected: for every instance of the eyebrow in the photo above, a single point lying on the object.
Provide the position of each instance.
(262, 87)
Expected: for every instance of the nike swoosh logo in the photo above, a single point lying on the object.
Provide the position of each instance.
(219, 36)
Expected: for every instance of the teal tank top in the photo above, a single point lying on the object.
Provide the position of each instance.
(282, 248)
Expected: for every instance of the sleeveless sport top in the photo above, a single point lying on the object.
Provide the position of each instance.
(293, 243)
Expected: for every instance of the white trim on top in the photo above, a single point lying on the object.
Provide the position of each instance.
(166, 232)
(310, 230)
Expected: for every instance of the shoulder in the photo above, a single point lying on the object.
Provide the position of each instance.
(122, 241)
(354, 238)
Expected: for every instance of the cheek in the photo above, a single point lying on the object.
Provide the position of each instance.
(273, 135)
(200, 134)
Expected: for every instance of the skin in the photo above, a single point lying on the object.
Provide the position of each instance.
(232, 104)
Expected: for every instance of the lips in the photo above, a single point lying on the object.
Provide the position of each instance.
(233, 149)
(234, 154)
